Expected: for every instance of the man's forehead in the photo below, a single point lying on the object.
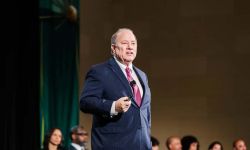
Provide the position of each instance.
(81, 130)
(126, 34)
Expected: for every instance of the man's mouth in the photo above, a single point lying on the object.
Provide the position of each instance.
(129, 53)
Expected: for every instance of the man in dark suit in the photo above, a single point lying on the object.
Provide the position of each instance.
(79, 138)
(117, 94)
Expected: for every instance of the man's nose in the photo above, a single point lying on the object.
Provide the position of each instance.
(129, 46)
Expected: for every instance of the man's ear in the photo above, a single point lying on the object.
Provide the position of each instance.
(73, 136)
(170, 146)
(113, 48)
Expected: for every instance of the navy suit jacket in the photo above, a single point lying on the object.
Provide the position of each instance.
(104, 84)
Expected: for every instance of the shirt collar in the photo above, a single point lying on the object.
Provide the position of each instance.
(124, 66)
(78, 147)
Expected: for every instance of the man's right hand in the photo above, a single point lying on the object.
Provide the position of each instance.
(122, 104)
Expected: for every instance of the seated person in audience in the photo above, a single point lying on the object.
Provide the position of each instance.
(216, 145)
(155, 143)
(190, 142)
(53, 140)
(79, 138)
(239, 144)
(173, 143)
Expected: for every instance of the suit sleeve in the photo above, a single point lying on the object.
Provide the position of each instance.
(91, 99)
(149, 108)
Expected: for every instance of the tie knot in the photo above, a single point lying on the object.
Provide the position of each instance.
(128, 72)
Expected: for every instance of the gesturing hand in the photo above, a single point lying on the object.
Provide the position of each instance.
(122, 104)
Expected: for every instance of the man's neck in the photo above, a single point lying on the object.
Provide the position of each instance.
(129, 64)
(123, 61)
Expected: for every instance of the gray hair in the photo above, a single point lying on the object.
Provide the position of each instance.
(114, 36)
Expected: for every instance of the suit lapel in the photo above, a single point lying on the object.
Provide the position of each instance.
(118, 72)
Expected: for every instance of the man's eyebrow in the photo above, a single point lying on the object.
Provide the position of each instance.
(128, 41)
(124, 41)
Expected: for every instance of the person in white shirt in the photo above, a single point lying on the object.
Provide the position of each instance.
(79, 138)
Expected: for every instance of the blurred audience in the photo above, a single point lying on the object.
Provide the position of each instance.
(53, 140)
(155, 143)
(173, 143)
(190, 142)
(216, 145)
(239, 144)
(79, 138)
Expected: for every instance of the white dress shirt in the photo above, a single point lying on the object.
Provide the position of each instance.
(78, 147)
(134, 76)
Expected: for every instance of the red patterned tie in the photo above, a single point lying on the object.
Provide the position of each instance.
(134, 86)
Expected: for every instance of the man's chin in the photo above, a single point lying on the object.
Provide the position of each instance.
(81, 143)
(129, 60)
